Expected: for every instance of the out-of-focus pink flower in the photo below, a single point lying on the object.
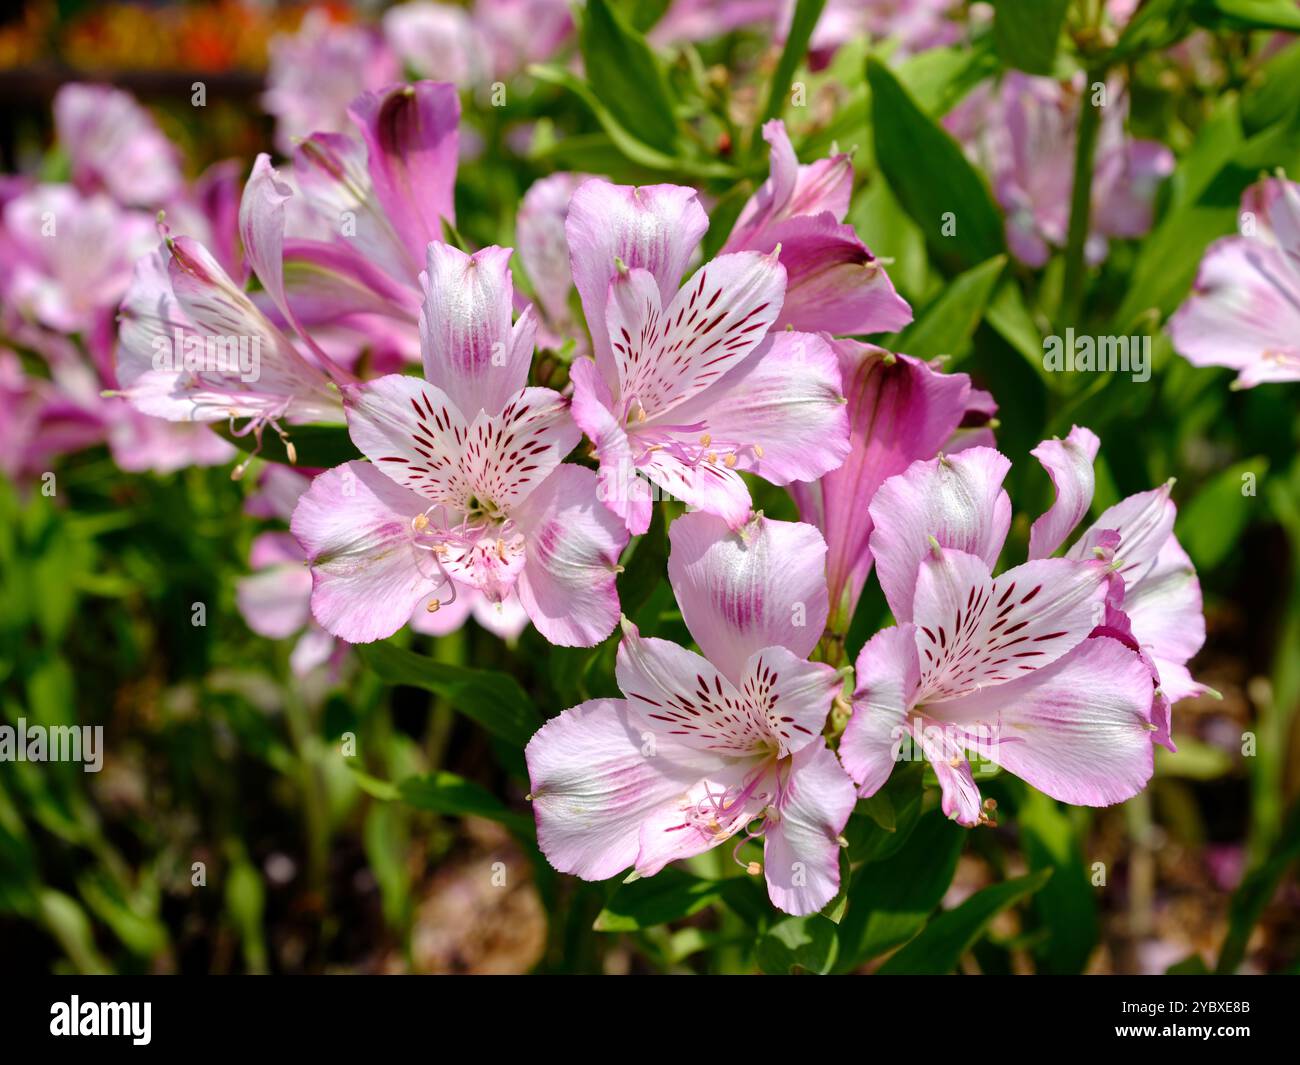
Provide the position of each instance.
(520, 32)
(1244, 310)
(1023, 133)
(900, 409)
(833, 282)
(437, 41)
(1060, 670)
(707, 748)
(114, 146)
(466, 483)
(67, 258)
(913, 25)
(544, 250)
(687, 386)
(701, 20)
(37, 422)
(316, 73)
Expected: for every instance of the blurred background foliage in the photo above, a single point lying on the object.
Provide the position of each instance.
(371, 817)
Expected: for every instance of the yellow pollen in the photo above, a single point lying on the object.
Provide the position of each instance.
(729, 461)
(433, 606)
(712, 456)
(753, 868)
(421, 522)
(758, 451)
(954, 761)
(706, 440)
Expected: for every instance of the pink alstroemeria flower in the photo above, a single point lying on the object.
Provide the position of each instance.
(714, 746)
(900, 409)
(368, 205)
(833, 282)
(115, 146)
(1023, 132)
(1244, 310)
(465, 484)
(1029, 670)
(688, 387)
(316, 72)
(544, 251)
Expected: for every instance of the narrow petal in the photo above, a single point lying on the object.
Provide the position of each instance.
(1068, 463)
(573, 545)
(741, 592)
(957, 499)
(595, 781)
(801, 854)
(654, 227)
(888, 677)
(412, 136)
(960, 794)
(355, 525)
(1144, 522)
(1077, 730)
(465, 328)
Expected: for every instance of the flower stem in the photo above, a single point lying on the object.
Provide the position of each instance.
(1085, 154)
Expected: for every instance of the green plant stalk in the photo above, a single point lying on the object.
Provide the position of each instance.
(315, 801)
(1085, 154)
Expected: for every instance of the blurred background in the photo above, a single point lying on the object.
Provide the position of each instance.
(225, 833)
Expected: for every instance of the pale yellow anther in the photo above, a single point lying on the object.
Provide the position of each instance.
(420, 522)
(758, 451)
(729, 461)
(753, 868)
(434, 606)
(706, 440)
(711, 457)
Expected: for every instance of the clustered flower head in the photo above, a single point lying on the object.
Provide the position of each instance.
(691, 378)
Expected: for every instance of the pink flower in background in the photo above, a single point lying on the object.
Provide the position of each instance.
(900, 409)
(367, 204)
(687, 386)
(913, 25)
(520, 32)
(466, 484)
(437, 41)
(702, 20)
(833, 282)
(115, 146)
(1035, 670)
(68, 257)
(314, 75)
(1023, 132)
(708, 748)
(1244, 310)
(544, 251)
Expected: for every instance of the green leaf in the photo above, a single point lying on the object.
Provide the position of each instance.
(889, 900)
(320, 446)
(1155, 25)
(624, 73)
(947, 324)
(1256, 891)
(806, 14)
(1194, 760)
(1028, 32)
(1248, 14)
(494, 700)
(669, 895)
(645, 569)
(931, 177)
(798, 944)
(939, 948)
(1210, 526)
(1067, 905)
(454, 796)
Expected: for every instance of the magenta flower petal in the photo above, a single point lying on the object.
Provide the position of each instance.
(899, 410)
(1068, 463)
(741, 592)
(412, 137)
